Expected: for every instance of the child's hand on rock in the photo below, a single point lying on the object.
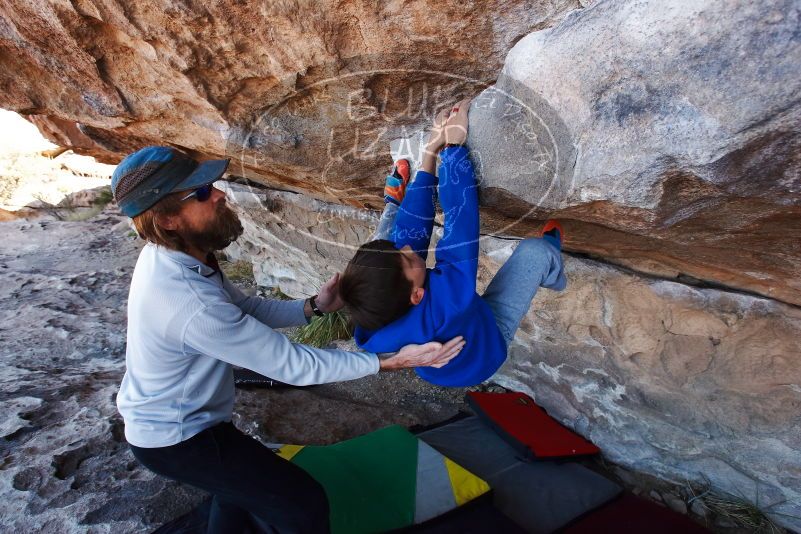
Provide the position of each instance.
(449, 127)
(436, 139)
(455, 129)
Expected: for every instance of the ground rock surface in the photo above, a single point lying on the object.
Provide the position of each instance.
(65, 466)
(683, 382)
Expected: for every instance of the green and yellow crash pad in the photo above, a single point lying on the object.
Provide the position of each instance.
(385, 480)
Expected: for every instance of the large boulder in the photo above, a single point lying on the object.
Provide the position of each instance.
(667, 133)
(688, 384)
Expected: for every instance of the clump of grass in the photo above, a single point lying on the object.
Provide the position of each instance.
(237, 271)
(323, 330)
(67, 210)
(738, 509)
(104, 197)
(275, 293)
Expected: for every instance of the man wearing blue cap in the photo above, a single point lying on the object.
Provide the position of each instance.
(187, 325)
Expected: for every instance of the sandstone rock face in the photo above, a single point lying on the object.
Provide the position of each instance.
(666, 132)
(670, 379)
(283, 228)
(290, 87)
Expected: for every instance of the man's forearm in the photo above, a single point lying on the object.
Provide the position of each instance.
(429, 354)
(389, 361)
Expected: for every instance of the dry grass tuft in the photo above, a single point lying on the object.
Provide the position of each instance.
(739, 510)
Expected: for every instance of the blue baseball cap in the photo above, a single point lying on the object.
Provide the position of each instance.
(151, 173)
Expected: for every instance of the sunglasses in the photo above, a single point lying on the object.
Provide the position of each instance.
(201, 193)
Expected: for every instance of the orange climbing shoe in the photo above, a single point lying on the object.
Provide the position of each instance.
(395, 188)
(553, 233)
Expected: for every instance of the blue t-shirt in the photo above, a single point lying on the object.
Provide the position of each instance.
(450, 305)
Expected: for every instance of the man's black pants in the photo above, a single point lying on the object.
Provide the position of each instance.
(252, 486)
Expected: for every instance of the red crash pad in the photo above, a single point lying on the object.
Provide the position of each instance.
(631, 514)
(528, 427)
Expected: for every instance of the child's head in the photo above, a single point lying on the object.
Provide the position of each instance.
(381, 283)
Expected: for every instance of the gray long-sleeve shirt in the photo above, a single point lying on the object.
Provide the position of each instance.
(186, 325)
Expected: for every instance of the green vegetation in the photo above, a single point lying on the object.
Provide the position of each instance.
(104, 198)
(237, 271)
(275, 293)
(323, 330)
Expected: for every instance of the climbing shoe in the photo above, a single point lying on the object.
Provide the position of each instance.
(396, 183)
(552, 233)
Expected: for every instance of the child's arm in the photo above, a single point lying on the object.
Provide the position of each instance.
(458, 196)
(415, 218)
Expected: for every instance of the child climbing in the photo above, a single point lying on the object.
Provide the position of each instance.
(394, 300)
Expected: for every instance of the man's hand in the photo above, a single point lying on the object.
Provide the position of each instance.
(455, 129)
(431, 354)
(329, 300)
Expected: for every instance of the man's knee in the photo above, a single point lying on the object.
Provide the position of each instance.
(312, 508)
(306, 514)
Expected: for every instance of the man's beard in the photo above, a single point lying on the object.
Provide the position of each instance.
(223, 231)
